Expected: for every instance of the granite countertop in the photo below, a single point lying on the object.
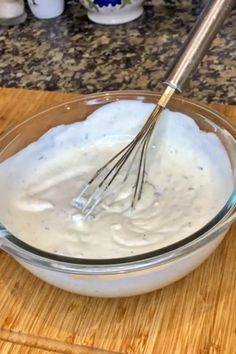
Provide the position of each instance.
(72, 54)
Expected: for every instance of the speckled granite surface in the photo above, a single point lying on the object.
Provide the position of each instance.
(72, 54)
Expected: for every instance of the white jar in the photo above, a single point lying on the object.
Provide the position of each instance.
(113, 12)
(12, 12)
(45, 9)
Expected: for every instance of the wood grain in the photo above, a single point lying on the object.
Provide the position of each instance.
(196, 315)
(13, 348)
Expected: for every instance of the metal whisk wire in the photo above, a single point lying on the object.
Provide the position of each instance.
(139, 144)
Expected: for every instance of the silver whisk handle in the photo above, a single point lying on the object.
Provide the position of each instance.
(198, 42)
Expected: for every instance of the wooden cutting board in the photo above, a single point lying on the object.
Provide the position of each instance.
(196, 315)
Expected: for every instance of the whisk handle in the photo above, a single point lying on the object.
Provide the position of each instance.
(198, 42)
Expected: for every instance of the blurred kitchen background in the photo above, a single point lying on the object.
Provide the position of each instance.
(71, 53)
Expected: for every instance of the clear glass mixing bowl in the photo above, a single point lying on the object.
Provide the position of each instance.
(120, 276)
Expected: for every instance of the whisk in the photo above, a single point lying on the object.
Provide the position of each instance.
(189, 56)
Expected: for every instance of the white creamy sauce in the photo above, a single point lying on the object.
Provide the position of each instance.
(189, 179)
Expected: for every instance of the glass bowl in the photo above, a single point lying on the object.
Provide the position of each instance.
(135, 274)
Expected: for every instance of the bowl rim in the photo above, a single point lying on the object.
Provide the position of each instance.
(165, 254)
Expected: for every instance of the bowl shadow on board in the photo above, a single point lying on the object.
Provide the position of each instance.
(194, 296)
